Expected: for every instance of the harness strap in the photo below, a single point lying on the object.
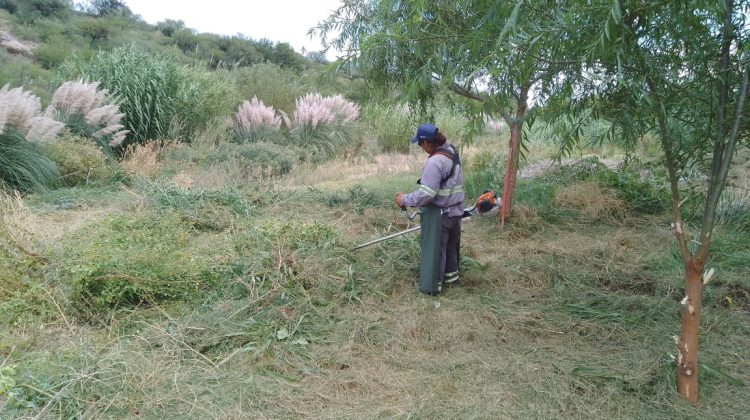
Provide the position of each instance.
(452, 156)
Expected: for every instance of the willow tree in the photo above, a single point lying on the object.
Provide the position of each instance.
(677, 71)
(494, 53)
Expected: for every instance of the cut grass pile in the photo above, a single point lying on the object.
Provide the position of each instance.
(167, 300)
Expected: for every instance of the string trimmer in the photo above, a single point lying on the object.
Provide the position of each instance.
(486, 205)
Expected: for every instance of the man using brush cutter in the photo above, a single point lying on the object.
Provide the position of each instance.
(440, 197)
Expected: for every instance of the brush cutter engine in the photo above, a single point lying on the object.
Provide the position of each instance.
(487, 205)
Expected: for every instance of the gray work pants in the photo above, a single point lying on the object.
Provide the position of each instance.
(450, 243)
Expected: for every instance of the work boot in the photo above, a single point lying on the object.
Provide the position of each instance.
(452, 279)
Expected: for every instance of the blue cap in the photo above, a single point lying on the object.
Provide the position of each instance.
(425, 132)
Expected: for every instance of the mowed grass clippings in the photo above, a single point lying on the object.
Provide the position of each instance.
(556, 318)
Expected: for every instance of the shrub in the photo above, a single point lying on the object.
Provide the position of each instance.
(160, 99)
(253, 120)
(640, 195)
(9, 5)
(278, 88)
(89, 112)
(79, 161)
(185, 40)
(32, 10)
(168, 27)
(265, 157)
(51, 56)
(273, 158)
(391, 126)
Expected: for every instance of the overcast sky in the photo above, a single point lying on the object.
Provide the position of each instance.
(278, 20)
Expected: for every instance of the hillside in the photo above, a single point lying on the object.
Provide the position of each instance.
(37, 36)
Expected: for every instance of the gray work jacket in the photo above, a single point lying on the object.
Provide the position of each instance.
(449, 195)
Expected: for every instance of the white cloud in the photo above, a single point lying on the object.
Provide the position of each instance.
(277, 20)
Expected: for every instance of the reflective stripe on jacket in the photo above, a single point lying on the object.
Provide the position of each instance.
(449, 195)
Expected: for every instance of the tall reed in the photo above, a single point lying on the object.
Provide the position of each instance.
(89, 112)
(324, 122)
(254, 119)
(22, 167)
(160, 99)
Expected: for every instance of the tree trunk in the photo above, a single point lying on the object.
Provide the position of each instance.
(514, 146)
(511, 170)
(687, 345)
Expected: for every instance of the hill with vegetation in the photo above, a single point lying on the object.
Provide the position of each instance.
(178, 213)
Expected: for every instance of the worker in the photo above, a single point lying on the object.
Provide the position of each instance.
(440, 197)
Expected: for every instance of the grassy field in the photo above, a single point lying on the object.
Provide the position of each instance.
(206, 291)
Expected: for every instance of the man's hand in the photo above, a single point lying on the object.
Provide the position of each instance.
(399, 196)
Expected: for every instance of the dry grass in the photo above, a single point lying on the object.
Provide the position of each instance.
(142, 159)
(592, 202)
(35, 231)
(218, 177)
(339, 174)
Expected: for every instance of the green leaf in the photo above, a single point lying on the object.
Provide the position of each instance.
(616, 12)
(607, 30)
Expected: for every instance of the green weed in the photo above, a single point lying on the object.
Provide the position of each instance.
(263, 157)
(357, 198)
(642, 196)
(205, 210)
(125, 261)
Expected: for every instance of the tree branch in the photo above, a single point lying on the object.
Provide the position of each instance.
(719, 178)
(666, 145)
(455, 88)
(723, 147)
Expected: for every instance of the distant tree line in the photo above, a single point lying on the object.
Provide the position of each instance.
(230, 51)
